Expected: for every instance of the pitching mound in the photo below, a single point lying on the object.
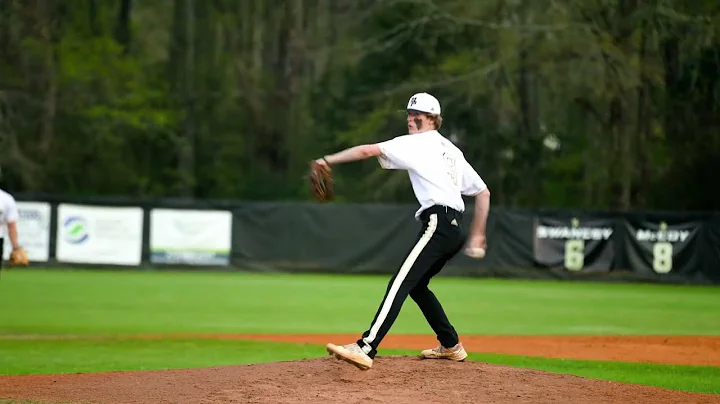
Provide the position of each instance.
(395, 380)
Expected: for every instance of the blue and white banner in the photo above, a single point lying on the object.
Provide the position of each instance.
(190, 237)
(33, 231)
(99, 234)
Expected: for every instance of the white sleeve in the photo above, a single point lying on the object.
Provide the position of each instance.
(472, 183)
(397, 153)
(11, 209)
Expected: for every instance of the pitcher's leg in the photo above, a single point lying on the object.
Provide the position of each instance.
(450, 346)
(420, 260)
(429, 304)
(435, 315)
(398, 289)
(432, 309)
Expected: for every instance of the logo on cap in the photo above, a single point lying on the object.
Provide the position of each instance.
(413, 101)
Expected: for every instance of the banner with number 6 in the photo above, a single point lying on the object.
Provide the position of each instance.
(574, 244)
(662, 246)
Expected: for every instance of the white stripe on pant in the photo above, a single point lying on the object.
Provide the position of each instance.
(399, 279)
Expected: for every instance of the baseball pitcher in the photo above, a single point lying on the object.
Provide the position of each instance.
(440, 175)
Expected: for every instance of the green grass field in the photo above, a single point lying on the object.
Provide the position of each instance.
(114, 304)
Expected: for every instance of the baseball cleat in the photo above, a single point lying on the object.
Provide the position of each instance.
(352, 354)
(456, 353)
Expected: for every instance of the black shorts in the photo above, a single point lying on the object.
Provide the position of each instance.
(2, 251)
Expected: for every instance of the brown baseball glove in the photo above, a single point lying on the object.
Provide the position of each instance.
(321, 182)
(18, 257)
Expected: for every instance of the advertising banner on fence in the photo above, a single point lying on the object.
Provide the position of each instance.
(574, 244)
(99, 234)
(662, 247)
(33, 231)
(190, 237)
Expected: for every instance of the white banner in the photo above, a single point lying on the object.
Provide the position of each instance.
(99, 235)
(33, 231)
(194, 237)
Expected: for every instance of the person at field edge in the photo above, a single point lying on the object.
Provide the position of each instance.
(440, 175)
(8, 219)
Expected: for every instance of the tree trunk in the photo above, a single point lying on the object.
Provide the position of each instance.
(122, 30)
(92, 17)
(618, 119)
(298, 85)
(643, 124)
(183, 67)
(529, 127)
(47, 131)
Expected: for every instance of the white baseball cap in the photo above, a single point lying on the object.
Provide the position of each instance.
(424, 102)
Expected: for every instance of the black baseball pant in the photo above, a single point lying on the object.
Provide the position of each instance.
(439, 240)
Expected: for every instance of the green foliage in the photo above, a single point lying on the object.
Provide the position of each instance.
(231, 100)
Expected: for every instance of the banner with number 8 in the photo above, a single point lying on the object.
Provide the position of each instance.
(662, 245)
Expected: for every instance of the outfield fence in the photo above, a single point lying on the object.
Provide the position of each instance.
(95, 232)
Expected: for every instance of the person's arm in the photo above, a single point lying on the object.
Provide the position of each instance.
(355, 153)
(12, 218)
(395, 154)
(473, 185)
(12, 232)
(478, 227)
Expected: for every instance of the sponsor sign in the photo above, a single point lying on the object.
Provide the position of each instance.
(190, 237)
(99, 234)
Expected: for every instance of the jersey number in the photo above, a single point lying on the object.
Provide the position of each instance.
(662, 257)
(574, 255)
(451, 167)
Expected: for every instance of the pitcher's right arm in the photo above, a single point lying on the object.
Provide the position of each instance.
(473, 185)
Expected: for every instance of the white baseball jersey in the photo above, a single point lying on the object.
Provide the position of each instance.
(438, 171)
(8, 211)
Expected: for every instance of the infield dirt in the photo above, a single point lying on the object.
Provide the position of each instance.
(393, 379)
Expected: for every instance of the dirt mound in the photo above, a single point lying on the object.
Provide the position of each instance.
(395, 380)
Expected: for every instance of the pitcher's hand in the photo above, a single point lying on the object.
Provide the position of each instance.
(475, 247)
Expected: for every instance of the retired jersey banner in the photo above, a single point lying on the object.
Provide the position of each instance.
(99, 234)
(662, 247)
(33, 231)
(190, 237)
(712, 246)
(574, 244)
